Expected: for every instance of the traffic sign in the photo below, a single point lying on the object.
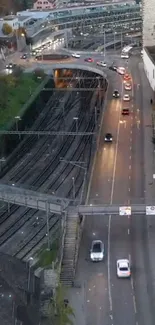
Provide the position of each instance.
(150, 210)
(125, 211)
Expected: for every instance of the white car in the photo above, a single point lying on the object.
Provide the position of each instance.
(121, 70)
(127, 86)
(101, 64)
(97, 251)
(123, 268)
(124, 56)
(126, 98)
(76, 55)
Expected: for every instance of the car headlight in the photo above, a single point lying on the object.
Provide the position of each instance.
(110, 139)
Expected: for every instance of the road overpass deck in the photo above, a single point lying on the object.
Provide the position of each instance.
(57, 205)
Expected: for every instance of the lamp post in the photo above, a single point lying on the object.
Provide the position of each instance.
(104, 43)
(47, 226)
(1, 162)
(73, 180)
(29, 273)
(78, 164)
(17, 118)
(76, 121)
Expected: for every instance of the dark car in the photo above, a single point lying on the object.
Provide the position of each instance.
(10, 66)
(89, 60)
(24, 56)
(125, 111)
(108, 137)
(116, 94)
(113, 68)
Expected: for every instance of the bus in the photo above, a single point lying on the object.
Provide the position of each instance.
(126, 51)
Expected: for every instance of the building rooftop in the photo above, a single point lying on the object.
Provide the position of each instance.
(151, 52)
(10, 17)
(22, 18)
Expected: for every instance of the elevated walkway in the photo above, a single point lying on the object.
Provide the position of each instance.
(39, 201)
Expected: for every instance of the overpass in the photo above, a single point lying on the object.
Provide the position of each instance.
(40, 201)
(71, 66)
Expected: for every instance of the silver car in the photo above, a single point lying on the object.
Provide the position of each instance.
(97, 251)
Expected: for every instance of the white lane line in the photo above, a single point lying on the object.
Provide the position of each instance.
(129, 189)
(111, 200)
(131, 131)
(128, 231)
(134, 304)
(130, 139)
(129, 177)
(129, 166)
(130, 157)
(132, 283)
(130, 147)
(109, 276)
(115, 160)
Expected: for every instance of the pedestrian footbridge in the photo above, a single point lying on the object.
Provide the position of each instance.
(41, 201)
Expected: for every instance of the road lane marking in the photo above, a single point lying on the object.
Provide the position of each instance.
(128, 231)
(132, 283)
(109, 276)
(130, 157)
(130, 147)
(111, 200)
(129, 166)
(129, 189)
(129, 177)
(131, 131)
(130, 139)
(134, 304)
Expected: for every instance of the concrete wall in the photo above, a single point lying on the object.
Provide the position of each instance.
(149, 68)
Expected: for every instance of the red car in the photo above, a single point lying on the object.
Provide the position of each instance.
(127, 77)
(89, 60)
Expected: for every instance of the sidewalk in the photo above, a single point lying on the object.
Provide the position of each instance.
(149, 164)
(76, 297)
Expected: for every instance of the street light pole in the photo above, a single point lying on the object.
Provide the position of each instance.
(95, 115)
(1, 162)
(73, 180)
(104, 43)
(29, 274)
(47, 225)
(76, 121)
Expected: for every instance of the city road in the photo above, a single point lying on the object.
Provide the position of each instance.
(118, 177)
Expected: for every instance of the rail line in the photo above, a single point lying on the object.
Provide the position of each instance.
(35, 238)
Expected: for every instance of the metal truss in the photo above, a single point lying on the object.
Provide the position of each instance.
(47, 133)
(32, 199)
(117, 17)
(57, 205)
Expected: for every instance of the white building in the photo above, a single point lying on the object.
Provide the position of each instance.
(148, 22)
(16, 21)
(149, 65)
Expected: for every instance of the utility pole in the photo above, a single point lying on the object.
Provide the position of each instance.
(104, 44)
(47, 225)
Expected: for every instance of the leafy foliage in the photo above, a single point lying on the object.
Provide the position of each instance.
(6, 29)
(61, 313)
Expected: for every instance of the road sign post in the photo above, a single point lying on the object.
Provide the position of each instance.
(125, 211)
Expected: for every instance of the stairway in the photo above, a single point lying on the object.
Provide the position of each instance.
(69, 251)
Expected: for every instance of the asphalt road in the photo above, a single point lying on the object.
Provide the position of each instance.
(118, 177)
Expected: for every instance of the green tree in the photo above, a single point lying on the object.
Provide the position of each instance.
(17, 72)
(6, 29)
(60, 313)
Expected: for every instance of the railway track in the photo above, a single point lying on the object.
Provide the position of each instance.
(43, 181)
